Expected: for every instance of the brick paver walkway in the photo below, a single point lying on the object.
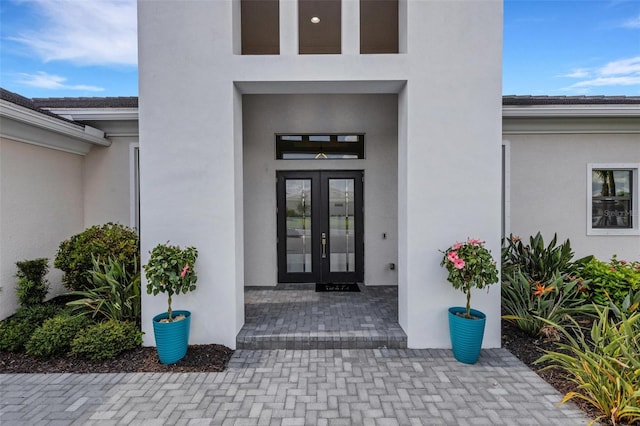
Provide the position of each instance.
(294, 387)
(294, 316)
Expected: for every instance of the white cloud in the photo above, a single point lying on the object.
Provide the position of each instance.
(632, 23)
(578, 73)
(622, 72)
(609, 81)
(623, 66)
(43, 80)
(96, 32)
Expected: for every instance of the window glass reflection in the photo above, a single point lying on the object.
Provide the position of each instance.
(298, 219)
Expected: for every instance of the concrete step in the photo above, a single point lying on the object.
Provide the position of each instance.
(294, 316)
(396, 339)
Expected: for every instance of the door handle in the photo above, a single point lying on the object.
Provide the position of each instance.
(323, 240)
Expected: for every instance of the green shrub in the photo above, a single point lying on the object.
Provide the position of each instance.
(32, 287)
(14, 334)
(106, 340)
(610, 281)
(114, 292)
(605, 365)
(16, 331)
(37, 314)
(532, 305)
(75, 255)
(55, 335)
(170, 270)
(534, 260)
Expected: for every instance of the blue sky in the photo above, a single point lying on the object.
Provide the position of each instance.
(55, 48)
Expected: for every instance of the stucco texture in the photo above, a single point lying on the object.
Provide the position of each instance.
(447, 83)
(107, 186)
(373, 115)
(41, 204)
(549, 188)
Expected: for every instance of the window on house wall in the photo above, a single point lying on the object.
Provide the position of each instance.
(378, 26)
(612, 197)
(320, 147)
(260, 27)
(319, 26)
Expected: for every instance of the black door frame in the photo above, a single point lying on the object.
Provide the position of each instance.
(320, 224)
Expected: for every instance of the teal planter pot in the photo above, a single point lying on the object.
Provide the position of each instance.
(172, 338)
(466, 334)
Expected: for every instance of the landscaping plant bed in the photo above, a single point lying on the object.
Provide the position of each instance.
(528, 349)
(199, 358)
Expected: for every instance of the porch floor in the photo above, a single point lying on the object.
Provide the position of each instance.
(294, 316)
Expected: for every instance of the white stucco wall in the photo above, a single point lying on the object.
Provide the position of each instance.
(374, 115)
(41, 204)
(549, 188)
(107, 183)
(449, 135)
(450, 154)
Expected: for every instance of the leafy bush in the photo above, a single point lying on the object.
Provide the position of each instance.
(75, 255)
(170, 270)
(55, 335)
(32, 287)
(37, 314)
(114, 292)
(16, 331)
(605, 366)
(470, 265)
(15, 334)
(532, 305)
(608, 281)
(106, 340)
(629, 305)
(535, 261)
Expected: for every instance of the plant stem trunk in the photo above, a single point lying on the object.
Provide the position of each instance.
(169, 311)
(468, 303)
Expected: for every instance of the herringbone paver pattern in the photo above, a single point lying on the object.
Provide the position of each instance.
(293, 387)
(294, 316)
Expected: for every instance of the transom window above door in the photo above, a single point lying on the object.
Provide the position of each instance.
(320, 147)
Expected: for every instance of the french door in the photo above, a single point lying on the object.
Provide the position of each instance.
(320, 226)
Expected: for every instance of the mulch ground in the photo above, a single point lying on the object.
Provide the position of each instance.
(199, 358)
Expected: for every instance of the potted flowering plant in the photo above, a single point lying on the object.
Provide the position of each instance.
(170, 270)
(470, 265)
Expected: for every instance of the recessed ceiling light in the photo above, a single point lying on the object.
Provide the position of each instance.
(315, 20)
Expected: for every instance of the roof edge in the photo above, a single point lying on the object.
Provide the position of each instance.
(530, 100)
(79, 132)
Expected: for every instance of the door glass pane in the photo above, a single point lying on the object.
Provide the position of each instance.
(341, 225)
(298, 219)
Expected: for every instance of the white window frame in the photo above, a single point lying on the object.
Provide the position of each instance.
(635, 194)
